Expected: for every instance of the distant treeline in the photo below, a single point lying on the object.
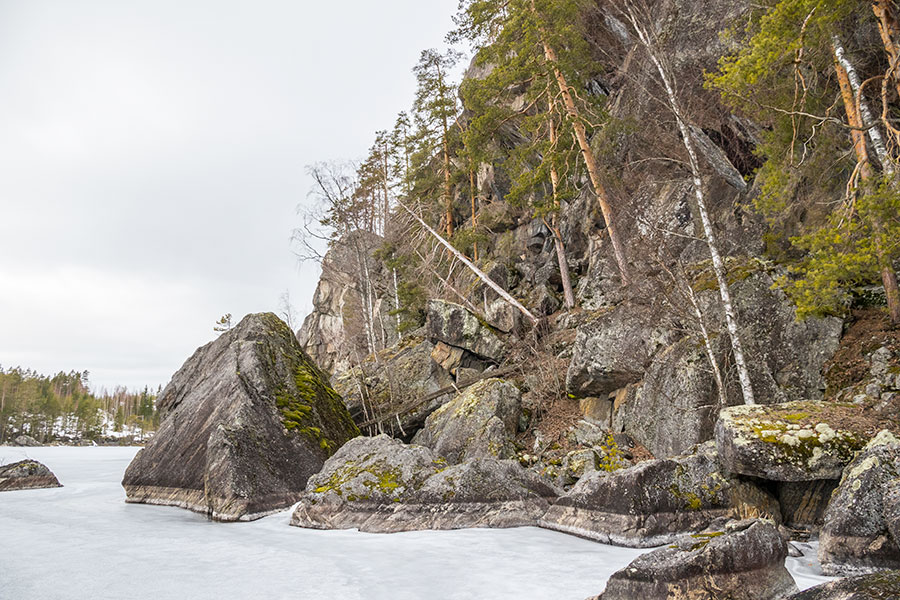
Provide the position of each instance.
(63, 408)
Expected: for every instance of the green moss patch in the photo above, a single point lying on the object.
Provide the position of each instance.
(308, 405)
(377, 476)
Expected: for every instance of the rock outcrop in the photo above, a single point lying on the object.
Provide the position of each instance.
(26, 475)
(677, 393)
(862, 518)
(793, 441)
(637, 345)
(614, 348)
(382, 485)
(480, 422)
(874, 586)
(26, 441)
(336, 332)
(246, 421)
(654, 502)
(743, 562)
(454, 325)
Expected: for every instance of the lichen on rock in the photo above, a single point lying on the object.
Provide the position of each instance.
(792, 441)
(863, 518)
(26, 475)
(656, 501)
(480, 422)
(382, 485)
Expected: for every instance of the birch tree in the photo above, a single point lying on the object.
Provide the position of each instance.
(640, 21)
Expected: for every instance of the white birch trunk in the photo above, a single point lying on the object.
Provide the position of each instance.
(397, 304)
(718, 264)
(865, 113)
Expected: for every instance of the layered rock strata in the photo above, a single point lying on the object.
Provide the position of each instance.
(654, 502)
(743, 562)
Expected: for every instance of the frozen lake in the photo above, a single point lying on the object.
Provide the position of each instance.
(83, 541)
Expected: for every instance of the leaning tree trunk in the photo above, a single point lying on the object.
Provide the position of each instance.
(587, 152)
(731, 321)
(478, 272)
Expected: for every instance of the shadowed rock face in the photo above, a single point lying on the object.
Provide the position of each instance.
(744, 562)
(26, 475)
(863, 516)
(246, 421)
(875, 586)
(654, 502)
(454, 325)
(399, 377)
(381, 485)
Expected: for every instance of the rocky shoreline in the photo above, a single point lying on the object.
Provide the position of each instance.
(240, 417)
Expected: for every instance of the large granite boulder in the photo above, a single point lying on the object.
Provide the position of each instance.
(396, 380)
(614, 349)
(454, 325)
(480, 422)
(862, 518)
(792, 441)
(743, 562)
(246, 421)
(654, 502)
(884, 585)
(678, 394)
(789, 354)
(26, 475)
(382, 485)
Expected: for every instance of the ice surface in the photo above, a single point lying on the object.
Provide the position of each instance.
(83, 541)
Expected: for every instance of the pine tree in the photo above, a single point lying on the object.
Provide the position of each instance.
(537, 44)
(435, 110)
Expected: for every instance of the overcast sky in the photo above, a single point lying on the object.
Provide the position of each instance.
(153, 158)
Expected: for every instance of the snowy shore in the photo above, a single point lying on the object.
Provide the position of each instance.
(83, 541)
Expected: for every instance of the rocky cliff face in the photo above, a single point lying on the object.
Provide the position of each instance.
(628, 374)
(634, 353)
(351, 305)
